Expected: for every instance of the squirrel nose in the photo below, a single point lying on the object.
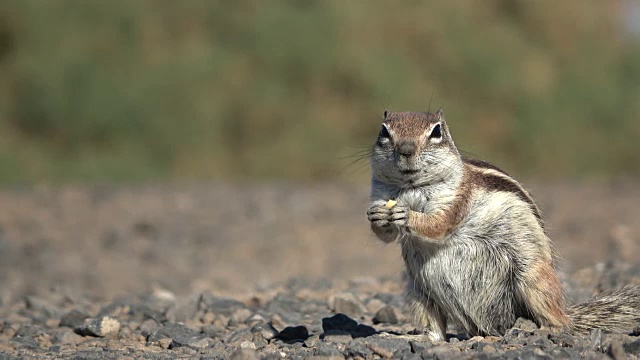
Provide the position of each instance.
(407, 148)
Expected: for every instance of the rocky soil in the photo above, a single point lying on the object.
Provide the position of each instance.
(265, 271)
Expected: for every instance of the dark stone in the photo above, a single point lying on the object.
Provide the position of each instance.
(461, 337)
(343, 323)
(339, 322)
(632, 347)
(73, 318)
(100, 327)
(364, 331)
(386, 315)
(291, 333)
(180, 336)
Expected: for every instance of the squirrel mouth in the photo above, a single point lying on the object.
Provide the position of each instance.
(409, 171)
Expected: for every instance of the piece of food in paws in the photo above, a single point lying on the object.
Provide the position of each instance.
(391, 203)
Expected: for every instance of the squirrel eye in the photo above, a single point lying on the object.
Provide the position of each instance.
(436, 133)
(384, 133)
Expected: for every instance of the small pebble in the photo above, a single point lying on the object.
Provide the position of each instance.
(266, 329)
(247, 345)
(386, 315)
(100, 327)
(311, 340)
(346, 304)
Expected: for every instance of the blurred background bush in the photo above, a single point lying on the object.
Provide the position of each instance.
(164, 90)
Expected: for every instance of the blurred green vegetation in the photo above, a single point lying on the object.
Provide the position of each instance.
(135, 90)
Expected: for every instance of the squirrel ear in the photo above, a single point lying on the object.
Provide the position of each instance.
(440, 114)
(386, 113)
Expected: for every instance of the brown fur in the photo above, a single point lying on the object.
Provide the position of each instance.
(438, 225)
(543, 295)
(505, 183)
(500, 267)
(411, 125)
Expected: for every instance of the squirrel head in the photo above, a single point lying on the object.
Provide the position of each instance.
(414, 149)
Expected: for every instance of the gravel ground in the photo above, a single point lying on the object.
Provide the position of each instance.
(265, 271)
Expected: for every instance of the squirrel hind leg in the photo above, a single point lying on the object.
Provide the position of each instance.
(427, 315)
(541, 292)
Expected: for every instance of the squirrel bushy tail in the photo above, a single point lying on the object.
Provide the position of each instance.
(615, 312)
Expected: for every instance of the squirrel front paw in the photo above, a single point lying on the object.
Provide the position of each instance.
(381, 216)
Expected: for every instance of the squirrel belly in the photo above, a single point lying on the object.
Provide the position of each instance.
(473, 240)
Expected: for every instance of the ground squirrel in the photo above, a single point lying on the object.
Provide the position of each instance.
(472, 238)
